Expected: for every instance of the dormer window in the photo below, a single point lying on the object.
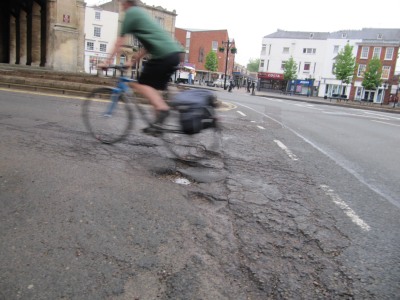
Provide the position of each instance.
(311, 35)
(379, 36)
(344, 35)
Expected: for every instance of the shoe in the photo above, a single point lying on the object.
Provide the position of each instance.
(153, 130)
(161, 116)
(156, 129)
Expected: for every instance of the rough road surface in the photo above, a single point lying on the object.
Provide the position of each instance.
(81, 220)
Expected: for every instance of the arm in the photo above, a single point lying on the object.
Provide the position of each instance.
(117, 46)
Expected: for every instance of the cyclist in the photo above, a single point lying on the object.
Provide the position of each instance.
(165, 55)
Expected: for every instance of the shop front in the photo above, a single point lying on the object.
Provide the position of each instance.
(302, 87)
(271, 82)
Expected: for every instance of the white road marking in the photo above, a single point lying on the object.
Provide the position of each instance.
(347, 210)
(260, 127)
(239, 112)
(385, 123)
(359, 177)
(382, 115)
(354, 115)
(284, 148)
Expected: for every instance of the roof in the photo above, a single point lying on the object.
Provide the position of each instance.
(365, 34)
(282, 34)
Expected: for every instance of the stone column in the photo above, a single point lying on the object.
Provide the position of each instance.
(36, 34)
(23, 37)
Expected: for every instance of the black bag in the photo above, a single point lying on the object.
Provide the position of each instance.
(196, 109)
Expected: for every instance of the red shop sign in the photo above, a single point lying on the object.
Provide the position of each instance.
(268, 75)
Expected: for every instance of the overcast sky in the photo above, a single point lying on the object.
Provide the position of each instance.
(248, 21)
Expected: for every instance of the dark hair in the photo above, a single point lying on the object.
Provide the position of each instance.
(133, 2)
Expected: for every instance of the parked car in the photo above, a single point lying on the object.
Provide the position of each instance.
(219, 83)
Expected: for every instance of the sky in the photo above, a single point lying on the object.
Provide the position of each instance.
(247, 22)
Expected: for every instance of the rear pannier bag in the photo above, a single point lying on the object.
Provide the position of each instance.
(196, 109)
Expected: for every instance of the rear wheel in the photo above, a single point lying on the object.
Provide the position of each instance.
(107, 115)
(204, 145)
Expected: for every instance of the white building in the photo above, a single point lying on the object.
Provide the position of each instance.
(314, 54)
(101, 31)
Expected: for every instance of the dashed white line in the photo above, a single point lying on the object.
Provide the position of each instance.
(284, 148)
(347, 210)
(239, 112)
(260, 127)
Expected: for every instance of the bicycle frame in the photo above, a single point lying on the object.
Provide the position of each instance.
(121, 88)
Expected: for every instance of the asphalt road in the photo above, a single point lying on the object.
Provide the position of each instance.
(274, 217)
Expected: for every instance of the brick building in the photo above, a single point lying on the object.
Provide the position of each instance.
(387, 52)
(198, 43)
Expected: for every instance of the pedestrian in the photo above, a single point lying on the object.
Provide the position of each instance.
(165, 55)
(248, 86)
(231, 86)
(190, 77)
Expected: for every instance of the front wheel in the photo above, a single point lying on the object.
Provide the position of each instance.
(107, 115)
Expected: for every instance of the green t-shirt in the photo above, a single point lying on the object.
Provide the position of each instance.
(154, 39)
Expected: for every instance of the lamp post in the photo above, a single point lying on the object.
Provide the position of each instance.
(228, 45)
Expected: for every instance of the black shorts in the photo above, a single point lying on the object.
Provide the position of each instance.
(157, 72)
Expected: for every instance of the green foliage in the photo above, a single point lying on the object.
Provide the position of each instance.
(372, 76)
(290, 70)
(253, 65)
(345, 65)
(211, 61)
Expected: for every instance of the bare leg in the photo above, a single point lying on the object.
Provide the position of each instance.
(152, 95)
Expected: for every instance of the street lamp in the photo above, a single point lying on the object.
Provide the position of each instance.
(228, 45)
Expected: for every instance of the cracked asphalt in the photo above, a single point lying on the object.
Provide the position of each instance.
(81, 220)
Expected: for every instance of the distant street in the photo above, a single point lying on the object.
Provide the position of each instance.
(302, 203)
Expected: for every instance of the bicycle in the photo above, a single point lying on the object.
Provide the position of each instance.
(108, 115)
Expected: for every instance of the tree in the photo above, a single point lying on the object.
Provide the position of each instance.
(253, 65)
(289, 71)
(211, 62)
(344, 66)
(372, 76)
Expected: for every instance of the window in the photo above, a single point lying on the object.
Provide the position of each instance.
(97, 31)
(285, 50)
(361, 70)
(307, 67)
(187, 43)
(103, 47)
(160, 21)
(389, 53)
(283, 64)
(335, 49)
(122, 59)
(364, 52)
(377, 52)
(344, 35)
(311, 35)
(97, 15)
(261, 63)
(214, 45)
(379, 37)
(89, 46)
(201, 54)
(385, 72)
(263, 49)
(309, 50)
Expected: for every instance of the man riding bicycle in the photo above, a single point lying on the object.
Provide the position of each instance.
(165, 55)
